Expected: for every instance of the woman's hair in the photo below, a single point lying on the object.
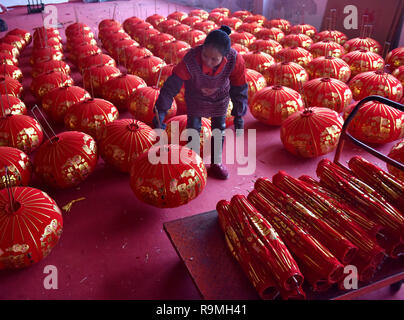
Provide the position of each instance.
(219, 39)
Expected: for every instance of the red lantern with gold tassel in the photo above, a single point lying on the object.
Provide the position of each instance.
(331, 35)
(255, 81)
(216, 17)
(256, 18)
(118, 90)
(23, 244)
(332, 67)
(166, 25)
(367, 44)
(327, 93)
(258, 61)
(240, 48)
(119, 46)
(7, 70)
(376, 122)
(146, 68)
(206, 26)
(45, 54)
(311, 132)
(177, 15)
(132, 21)
(398, 73)
(171, 52)
(48, 81)
(122, 141)
(10, 49)
(326, 48)
(10, 86)
(397, 153)
(224, 11)
(143, 36)
(203, 14)
(141, 104)
(90, 116)
(97, 59)
(193, 37)
(8, 58)
(95, 77)
(282, 24)
(108, 23)
(232, 22)
(49, 66)
(241, 14)
(12, 105)
(41, 33)
(296, 40)
(270, 47)
(191, 20)
(294, 54)
(377, 83)
(15, 41)
(66, 160)
(84, 51)
(21, 33)
(252, 28)
(157, 41)
(77, 27)
(272, 105)
(133, 53)
(288, 74)
(395, 58)
(362, 61)
(179, 29)
(306, 29)
(244, 38)
(154, 20)
(19, 167)
(54, 43)
(21, 132)
(57, 101)
(270, 34)
(166, 184)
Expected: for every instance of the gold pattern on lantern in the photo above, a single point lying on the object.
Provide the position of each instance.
(16, 248)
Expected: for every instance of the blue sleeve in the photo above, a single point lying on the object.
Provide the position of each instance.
(170, 89)
(239, 98)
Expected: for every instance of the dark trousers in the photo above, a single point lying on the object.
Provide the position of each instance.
(216, 123)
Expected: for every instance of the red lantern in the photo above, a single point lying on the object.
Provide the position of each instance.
(95, 77)
(66, 159)
(23, 244)
(113, 40)
(107, 34)
(272, 105)
(327, 48)
(74, 28)
(232, 22)
(367, 44)
(255, 81)
(166, 71)
(21, 132)
(270, 34)
(122, 141)
(8, 58)
(294, 54)
(108, 23)
(90, 116)
(80, 40)
(395, 58)
(166, 25)
(312, 132)
(331, 67)
(224, 11)
(256, 18)
(57, 101)
(131, 54)
(171, 52)
(177, 15)
(206, 26)
(84, 51)
(12, 105)
(178, 124)
(158, 41)
(399, 74)
(22, 34)
(118, 47)
(48, 43)
(376, 83)
(168, 184)
(141, 104)
(45, 54)
(306, 29)
(376, 122)
(10, 49)
(48, 81)
(397, 153)
(199, 13)
(241, 14)
(144, 34)
(133, 21)
(154, 20)
(117, 90)
(270, 47)
(7, 70)
(179, 29)
(244, 38)
(362, 61)
(217, 17)
(191, 20)
(331, 35)
(252, 28)
(288, 74)
(240, 48)
(193, 38)
(19, 167)
(98, 59)
(327, 93)
(297, 40)
(258, 61)
(15, 41)
(282, 24)
(10, 86)
(49, 66)
(146, 68)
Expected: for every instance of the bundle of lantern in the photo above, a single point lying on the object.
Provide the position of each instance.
(331, 35)
(241, 14)
(95, 77)
(281, 24)
(270, 47)
(272, 105)
(399, 74)
(177, 15)
(175, 176)
(154, 20)
(327, 48)
(193, 37)
(329, 67)
(258, 61)
(173, 52)
(23, 244)
(252, 28)
(141, 104)
(243, 38)
(327, 93)
(294, 54)
(66, 159)
(19, 167)
(90, 116)
(206, 26)
(288, 74)
(395, 58)
(362, 61)
(122, 141)
(376, 122)
(367, 44)
(257, 246)
(12, 105)
(305, 29)
(203, 14)
(176, 132)
(311, 132)
(397, 154)
(296, 40)
(10, 86)
(45, 82)
(270, 34)
(255, 81)
(146, 68)
(376, 83)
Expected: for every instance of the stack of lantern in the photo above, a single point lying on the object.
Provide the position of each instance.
(292, 235)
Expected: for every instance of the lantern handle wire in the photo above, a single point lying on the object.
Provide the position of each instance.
(346, 136)
(363, 23)
(386, 48)
(36, 108)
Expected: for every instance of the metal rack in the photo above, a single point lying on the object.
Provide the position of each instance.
(35, 6)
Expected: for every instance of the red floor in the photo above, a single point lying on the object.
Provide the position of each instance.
(113, 246)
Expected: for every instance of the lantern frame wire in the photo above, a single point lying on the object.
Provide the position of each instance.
(36, 108)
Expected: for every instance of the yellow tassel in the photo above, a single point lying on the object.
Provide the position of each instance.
(68, 206)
